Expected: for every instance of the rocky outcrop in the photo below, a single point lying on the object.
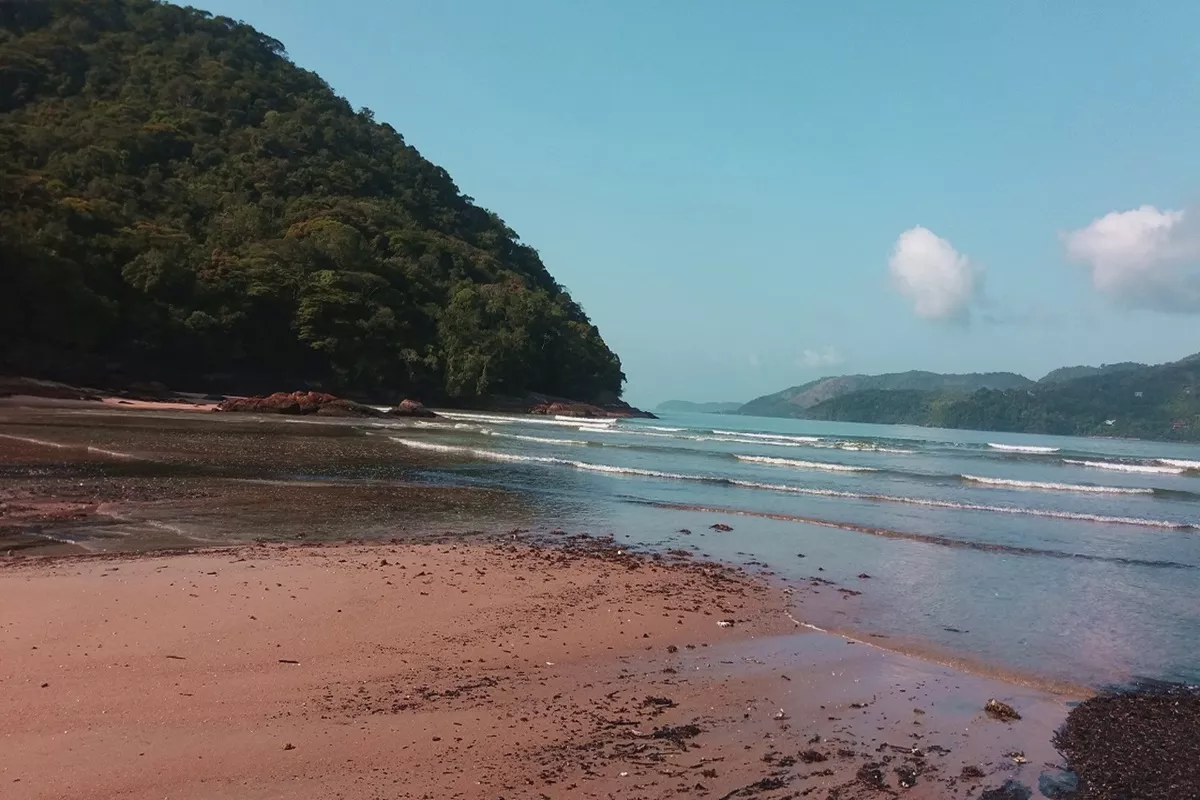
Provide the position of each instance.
(299, 403)
(559, 407)
(410, 408)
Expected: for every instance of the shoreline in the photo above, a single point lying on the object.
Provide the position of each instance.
(191, 497)
(596, 660)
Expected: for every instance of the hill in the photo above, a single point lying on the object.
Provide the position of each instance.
(1070, 373)
(1151, 402)
(181, 202)
(688, 407)
(795, 402)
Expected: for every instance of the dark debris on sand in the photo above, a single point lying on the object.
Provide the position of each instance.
(1142, 744)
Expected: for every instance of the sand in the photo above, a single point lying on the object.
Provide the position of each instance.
(461, 670)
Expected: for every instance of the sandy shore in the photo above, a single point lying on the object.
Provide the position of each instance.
(484, 670)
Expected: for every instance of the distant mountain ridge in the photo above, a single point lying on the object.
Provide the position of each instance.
(1127, 399)
(688, 407)
(1071, 373)
(790, 402)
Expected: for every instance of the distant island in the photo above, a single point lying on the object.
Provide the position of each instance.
(181, 203)
(1126, 399)
(688, 407)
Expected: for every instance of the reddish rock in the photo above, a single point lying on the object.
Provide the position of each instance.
(299, 403)
(410, 408)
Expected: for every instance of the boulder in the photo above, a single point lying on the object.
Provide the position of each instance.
(410, 408)
(298, 403)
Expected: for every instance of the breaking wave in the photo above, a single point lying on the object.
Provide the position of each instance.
(1021, 448)
(773, 436)
(1122, 467)
(801, 490)
(791, 462)
(1180, 462)
(1053, 487)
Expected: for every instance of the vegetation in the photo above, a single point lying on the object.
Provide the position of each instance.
(179, 201)
(1071, 373)
(794, 401)
(1158, 402)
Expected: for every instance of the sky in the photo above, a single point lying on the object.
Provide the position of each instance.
(749, 196)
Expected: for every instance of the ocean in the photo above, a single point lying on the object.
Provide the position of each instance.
(1057, 558)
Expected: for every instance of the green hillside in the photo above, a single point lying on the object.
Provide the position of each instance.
(1157, 402)
(179, 201)
(795, 402)
(1071, 373)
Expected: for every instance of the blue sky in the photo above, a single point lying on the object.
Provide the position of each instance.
(747, 196)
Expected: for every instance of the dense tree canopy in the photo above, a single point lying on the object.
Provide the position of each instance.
(177, 199)
(1156, 402)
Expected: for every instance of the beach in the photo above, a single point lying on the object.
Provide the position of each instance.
(212, 605)
(478, 670)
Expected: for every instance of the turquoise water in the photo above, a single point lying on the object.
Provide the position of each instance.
(1069, 558)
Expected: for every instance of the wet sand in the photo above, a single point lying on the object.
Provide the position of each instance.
(480, 670)
(439, 660)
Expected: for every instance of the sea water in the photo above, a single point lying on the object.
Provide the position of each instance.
(1073, 559)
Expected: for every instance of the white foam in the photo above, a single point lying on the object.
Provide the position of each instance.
(1180, 462)
(919, 501)
(791, 462)
(661, 428)
(537, 439)
(1052, 487)
(867, 447)
(773, 436)
(779, 487)
(1120, 467)
(1023, 448)
(497, 419)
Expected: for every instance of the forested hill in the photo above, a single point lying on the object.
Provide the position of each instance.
(1150, 402)
(795, 401)
(179, 201)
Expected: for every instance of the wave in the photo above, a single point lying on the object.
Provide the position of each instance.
(1021, 448)
(1122, 467)
(944, 541)
(868, 447)
(791, 462)
(1180, 462)
(662, 428)
(802, 490)
(497, 419)
(928, 503)
(536, 439)
(773, 436)
(1053, 487)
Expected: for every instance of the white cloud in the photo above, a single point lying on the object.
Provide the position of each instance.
(1143, 258)
(824, 357)
(940, 281)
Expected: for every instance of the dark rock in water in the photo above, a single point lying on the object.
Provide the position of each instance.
(722, 527)
(864, 576)
(971, 772)
(410, 408)
(1002, 711)
(299, 403)
(1143, 743)
(813, 757)
(907, 776)
(1011, 790)
(1058, 785)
